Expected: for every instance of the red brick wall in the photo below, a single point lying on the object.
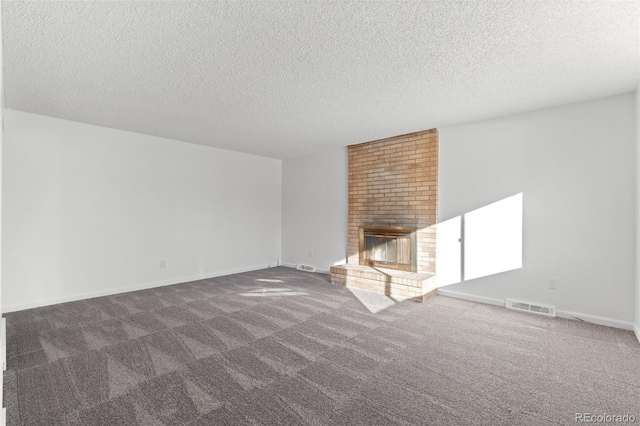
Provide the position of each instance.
(394, 181)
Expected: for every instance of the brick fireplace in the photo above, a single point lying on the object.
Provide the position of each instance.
(392, 186)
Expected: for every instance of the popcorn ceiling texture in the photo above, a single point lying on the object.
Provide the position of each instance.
(283, 79)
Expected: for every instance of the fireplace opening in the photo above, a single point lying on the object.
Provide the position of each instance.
(391, 247)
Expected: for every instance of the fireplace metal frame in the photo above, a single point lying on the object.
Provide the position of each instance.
(399, 230)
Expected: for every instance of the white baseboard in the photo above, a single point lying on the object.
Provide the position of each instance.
(609, 322)
(636, 329)
(294, 266)
(3, 343)
(471, 297)
(112, 291)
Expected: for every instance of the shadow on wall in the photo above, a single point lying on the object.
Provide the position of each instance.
(482, 242)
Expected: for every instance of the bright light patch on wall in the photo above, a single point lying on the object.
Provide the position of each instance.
(493, 238)
(448, 251)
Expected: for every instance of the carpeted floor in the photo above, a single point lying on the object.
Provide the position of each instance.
(279, 346)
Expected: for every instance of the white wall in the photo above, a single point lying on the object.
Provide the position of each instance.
(575, 166)
(90, 210)
(314, 209)
(2, 327)
(637, 318)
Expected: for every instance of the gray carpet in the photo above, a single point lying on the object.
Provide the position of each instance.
(280, 346)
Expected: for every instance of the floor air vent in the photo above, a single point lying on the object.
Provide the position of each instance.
(549, 311)
(307, 268)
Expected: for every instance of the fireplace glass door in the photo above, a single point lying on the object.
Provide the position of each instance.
(388, 247)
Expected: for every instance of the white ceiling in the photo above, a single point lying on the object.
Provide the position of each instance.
(283, 79)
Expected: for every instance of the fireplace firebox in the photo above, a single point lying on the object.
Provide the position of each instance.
(391, 247)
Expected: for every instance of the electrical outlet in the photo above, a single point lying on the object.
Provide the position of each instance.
(310, 253)
(553, 283)
(163, 264)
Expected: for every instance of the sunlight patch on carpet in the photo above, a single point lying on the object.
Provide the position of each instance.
(266, 292)
(374, 302)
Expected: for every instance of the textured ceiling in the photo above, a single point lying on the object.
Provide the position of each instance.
(282, 79)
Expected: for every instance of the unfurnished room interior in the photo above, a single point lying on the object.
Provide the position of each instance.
(320, 213)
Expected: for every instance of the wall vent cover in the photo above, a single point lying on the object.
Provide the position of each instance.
(307, 268)
(547, 310)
